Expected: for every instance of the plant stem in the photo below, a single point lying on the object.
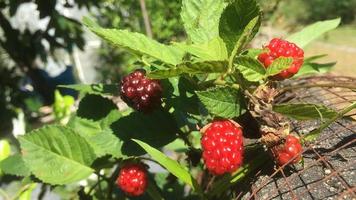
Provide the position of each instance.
(146, 19)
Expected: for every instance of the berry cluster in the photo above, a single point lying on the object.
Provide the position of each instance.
(222, 145)
(281, 48)
(290, 151)
(140, 92)
(132, 179)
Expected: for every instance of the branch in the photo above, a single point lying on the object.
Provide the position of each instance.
(146, 19)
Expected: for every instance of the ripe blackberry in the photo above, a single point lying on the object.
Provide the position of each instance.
(140, 92)
(222, 145)
(132, 179)
(278, 48)
(290, 151)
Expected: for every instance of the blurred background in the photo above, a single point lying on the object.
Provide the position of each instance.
(43, 45)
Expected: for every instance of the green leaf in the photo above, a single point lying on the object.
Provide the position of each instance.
(57, 155)
(137, 43)
(95, 107)
(100, 138)
(214, 50)
(171, 165)
(235, 18)
(201, 19)
(98, 89)
(251, 69)
(313, 135)
(5, 149)
(246, 36)
(314, 68)
(313, 31)
(304, 111)
(14, 165)
(278, 65)
(223, 101)
(190, 68)
(253, 53)
(157, 128)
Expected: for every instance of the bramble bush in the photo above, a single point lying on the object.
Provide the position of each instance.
(189, 100)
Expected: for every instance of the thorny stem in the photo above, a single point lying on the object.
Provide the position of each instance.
(318, 85)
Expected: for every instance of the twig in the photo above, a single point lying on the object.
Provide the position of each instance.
(146, 19)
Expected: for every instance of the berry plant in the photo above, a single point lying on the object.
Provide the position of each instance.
(190, 107)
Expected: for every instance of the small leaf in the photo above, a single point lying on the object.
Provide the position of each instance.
(137, 43)
(15, 165)
(214, 50)
(171, 165)
(313, 58)
(223, 101)
(313, 31)
(235, 18)
(190, 68)
(314, 68)
(57, 155)
(201, 19)
(251, 69)
(98, 89)
(278, 65)
(304, 111)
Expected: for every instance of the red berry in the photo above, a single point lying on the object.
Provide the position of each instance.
(140, 92)
(132, 179)
(290, 151)
(222, 145)
(277, 48)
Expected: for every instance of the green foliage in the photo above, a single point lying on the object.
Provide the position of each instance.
(201, 19)
(305, 111)
(57, 155)
(96, 89)
(235, 18)
(251, 69)
(210, 75)
(213, 50)
(278, 65)
(224, 102)
(137, 43)
(99, 135)
(313, 31)
(171, 165)
(62, 106)
(190, 68)
(14, 165)
(158, 129)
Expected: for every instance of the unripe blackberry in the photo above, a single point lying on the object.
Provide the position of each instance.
(282, 48)
(140, 92)
(132, 179)
(222, 145)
